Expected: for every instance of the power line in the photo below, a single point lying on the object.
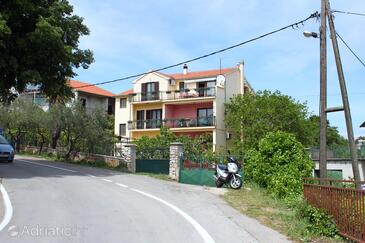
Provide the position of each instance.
(294, 25)
(350, 13)
(348, 47)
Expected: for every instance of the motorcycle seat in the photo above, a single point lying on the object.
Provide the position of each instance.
(222, 167)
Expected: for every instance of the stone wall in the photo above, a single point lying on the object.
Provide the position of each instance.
(126, 162)
(176, 149)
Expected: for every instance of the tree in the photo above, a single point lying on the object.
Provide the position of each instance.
(334, 139)
(252, 116)
(279, 164)
(39, 44)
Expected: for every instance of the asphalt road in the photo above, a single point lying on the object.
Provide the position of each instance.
(59, 202)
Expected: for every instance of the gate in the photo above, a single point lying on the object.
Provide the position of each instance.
(196, 170)
(154, 160)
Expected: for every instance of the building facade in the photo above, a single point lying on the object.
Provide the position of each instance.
(188, 103)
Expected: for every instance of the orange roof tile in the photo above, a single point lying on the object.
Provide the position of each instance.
(127, 92)
(200, 74)
(77, 85)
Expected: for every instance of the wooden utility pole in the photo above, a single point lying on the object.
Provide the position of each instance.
(323, 93)
(345, 100)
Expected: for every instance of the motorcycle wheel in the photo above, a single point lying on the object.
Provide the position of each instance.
(235, 182)
(218, 183)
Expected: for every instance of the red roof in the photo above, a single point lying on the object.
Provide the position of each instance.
(79, 86)
(127, 92)
(200, 74)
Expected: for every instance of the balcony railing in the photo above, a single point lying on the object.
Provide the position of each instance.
(173, 95)
(172, 123)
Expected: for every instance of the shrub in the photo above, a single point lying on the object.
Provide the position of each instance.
(279, 164)
(319, 223)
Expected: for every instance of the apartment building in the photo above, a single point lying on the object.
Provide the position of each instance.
(188, 103)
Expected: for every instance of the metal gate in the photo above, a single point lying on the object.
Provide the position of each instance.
(154, 160)
(196, 170)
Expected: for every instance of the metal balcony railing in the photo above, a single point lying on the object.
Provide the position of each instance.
(172, 123)
(173, 95)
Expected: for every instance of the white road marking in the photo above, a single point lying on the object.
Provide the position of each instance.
(8, 214)
(50, 166)
(106, 180)
(122, 185)
(91, 175)
(202, 232)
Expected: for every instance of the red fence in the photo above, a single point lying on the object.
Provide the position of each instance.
(340, 199)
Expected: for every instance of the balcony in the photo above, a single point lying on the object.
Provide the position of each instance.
(172, 123)
(173, 95)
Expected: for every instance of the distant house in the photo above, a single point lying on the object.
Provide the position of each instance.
(91, 97)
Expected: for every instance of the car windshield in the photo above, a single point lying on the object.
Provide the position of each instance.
(3, 140)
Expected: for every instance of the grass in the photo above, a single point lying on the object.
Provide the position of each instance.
(257, 203)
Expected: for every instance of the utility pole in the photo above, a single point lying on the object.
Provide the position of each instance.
(345, 100)
(323, 92)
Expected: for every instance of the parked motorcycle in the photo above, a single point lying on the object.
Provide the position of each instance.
(228, 174)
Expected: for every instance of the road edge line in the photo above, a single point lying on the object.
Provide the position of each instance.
(202, 232)
(8, 208)
(45, 165)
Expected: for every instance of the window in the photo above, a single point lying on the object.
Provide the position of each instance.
(150, 91)
(154, 118)
(140, 119)
(206, 88)
(123, 103)
(205, 117)
(182, 86)
(83, 102)
(122, 129)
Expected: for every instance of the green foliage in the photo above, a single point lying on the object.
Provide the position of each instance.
(279, 164)
(146, 145)
(252, 116)
(334, 139)
(80, 130)
(319, 223)
(39, 44)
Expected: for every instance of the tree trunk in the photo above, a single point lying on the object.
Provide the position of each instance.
(56, 133)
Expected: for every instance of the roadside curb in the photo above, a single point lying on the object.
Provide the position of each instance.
(8, 208)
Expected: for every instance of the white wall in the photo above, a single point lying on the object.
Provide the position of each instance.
(344, 165)
(122, 115)
(151, 77)
(233, 84)
(93, 101)
(220, 134)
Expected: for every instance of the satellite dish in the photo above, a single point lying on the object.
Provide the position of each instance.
(221, 80)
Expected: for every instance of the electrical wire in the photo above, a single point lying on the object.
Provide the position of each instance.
(294, 25)
(348, 47)
(350, 13)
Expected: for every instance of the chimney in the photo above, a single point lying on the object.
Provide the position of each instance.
(185, 69)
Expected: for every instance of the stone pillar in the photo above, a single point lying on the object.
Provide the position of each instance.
(176, 149)
(130, 157)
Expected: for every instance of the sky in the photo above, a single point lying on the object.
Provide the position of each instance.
(130, 37)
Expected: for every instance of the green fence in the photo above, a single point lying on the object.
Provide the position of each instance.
(156, 166)
(153, 160)
(199, 170)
